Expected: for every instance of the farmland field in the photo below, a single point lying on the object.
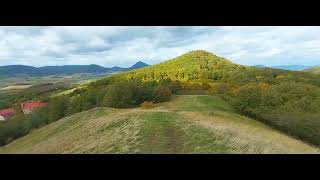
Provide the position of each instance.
(19, 81)
(15, 87)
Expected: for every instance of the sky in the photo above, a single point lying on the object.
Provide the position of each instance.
(123, 46)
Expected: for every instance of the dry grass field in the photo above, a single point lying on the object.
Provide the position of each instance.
(187, 124)
(15, 87)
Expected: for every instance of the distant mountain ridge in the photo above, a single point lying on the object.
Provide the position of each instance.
(12, 70)
(260, 66)
(285, 67)
(291, 67)
(137, 65)
(314, 70)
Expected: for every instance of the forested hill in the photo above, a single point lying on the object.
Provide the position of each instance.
(193, 65)
(200, 65)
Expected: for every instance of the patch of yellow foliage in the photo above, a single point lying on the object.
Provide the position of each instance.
(264, 86)
(147, 105)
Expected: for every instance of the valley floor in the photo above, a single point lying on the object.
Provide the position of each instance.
(187, 124)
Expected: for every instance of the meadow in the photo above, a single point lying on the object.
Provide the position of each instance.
(187, 124)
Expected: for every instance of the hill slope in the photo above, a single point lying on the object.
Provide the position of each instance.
(188, 124)
(314, 70)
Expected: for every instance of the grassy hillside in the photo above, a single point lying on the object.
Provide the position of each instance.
(187, 124)
(314, 70)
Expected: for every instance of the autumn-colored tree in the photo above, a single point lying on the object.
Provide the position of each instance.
(161, 94)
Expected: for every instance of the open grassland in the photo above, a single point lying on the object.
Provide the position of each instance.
(12, 83)
(65, 92)
(15, 87)
(187, 124)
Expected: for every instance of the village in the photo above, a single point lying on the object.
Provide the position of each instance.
(26, 108)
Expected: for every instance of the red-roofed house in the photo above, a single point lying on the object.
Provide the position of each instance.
(27, 107)
(6, 113)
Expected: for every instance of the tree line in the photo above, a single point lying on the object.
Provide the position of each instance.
(290, 106)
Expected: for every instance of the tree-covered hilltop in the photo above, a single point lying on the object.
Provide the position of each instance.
(193, 65)
(201, 66)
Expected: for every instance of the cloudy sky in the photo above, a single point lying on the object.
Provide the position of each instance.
(123, 46)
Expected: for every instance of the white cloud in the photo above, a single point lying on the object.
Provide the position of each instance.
(123, 46)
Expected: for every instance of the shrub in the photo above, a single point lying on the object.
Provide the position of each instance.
(126, 94)
(119, 95)
(147, 105)
(58, 108)
(38, 117)
(220, 88)
(161, 94)
(175, 86)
